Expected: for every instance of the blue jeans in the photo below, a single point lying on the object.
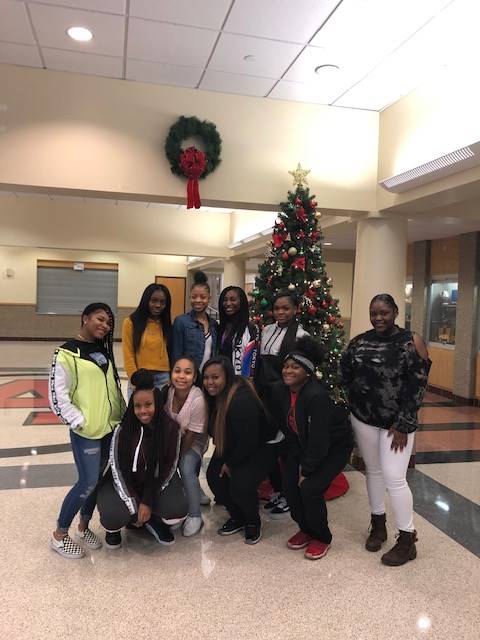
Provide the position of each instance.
(189, 466)
(159, 381)
(90, 458)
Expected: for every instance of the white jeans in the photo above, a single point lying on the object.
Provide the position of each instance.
(386, 469)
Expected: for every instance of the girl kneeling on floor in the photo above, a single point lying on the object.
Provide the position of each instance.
(141, 485)
(185, 403)
(319, 442)
(238, 424)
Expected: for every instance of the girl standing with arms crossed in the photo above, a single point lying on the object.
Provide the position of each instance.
(195, 333)
(84, 392)
(319, 442)
(146, 333)
(385, 371)
(185, 403)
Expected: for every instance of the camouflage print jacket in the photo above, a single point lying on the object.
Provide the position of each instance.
(385, 379)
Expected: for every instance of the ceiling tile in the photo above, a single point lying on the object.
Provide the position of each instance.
(271, 58)
(104, 6)
(235, 83)
(14, 25)
(301, 92)
(203, 13)
(51, 24)
(291, 21)
(161, 73)
(61, 60)
(173, 44)
(20, 54)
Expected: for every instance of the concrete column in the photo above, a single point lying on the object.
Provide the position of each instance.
(380, 266)
(467, 315)
(421, 282)
(234, 272)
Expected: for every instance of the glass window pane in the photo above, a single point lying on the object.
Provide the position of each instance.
(443, 311)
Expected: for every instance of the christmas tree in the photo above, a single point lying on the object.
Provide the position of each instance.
(294, 263)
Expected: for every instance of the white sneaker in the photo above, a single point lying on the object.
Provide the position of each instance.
(193, 525)
(89, 539)
(67, 548)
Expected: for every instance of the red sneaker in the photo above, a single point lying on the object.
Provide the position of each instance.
(316, 550)
(299, 540)
(265, 491)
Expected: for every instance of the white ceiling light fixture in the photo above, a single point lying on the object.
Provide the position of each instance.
(80, 34)
(327, 244)
(326, 68)
(249, 58)
(450, 163)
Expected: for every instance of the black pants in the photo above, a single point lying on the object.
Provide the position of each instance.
(238, 492)
(169, 503)
(275, 476)
(307, 504)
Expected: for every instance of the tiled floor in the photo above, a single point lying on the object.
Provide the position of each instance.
(214, 588)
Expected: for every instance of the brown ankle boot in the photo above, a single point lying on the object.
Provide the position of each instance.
(403, 551)
(378, 533)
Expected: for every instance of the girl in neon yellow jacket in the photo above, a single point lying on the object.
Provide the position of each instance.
(84, 392)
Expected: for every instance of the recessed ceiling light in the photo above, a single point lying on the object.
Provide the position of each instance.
(80, 34)
(326, 67)
(249, 58)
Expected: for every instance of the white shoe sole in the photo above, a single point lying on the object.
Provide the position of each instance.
(279, 516)
(62, 553)
(151, 530)
(113, 546)
(251, 542)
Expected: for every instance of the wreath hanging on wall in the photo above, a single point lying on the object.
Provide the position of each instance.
(192, 162)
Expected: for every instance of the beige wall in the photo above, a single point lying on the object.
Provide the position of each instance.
(135, 271)
(438, 117)
(71, 131)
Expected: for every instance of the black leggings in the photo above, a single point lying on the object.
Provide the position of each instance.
(238, 492)
(169, 503)
(307, 504)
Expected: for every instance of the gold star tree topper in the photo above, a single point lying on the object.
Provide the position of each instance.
(299, 176)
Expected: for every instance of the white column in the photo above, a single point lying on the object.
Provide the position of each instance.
(380, 266)
(234, 272)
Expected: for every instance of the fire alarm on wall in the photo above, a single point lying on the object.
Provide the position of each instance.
(9, 273)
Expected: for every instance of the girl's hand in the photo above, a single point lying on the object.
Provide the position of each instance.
(399, 440)
(144, 513)
(225, 471)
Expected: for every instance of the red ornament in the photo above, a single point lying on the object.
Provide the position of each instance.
(315, 235)
(301, 235)
(193, 163)
(277, 239)
(298, 200)
(312, 310)
(301, 215)
(331, 319)
(284, 256)
(311, 293)
(299, 263)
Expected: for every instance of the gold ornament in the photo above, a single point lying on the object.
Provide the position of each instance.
(299, 176)
(292, 251)
(318, 215)
(326, 327)
(291, 287)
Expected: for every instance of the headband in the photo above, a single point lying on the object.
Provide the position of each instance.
(302, 361)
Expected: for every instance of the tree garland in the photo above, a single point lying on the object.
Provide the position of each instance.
(192, 127)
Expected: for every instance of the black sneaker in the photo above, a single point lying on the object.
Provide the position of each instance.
(230, 527)
(272, 503)
(160, 531)
(281, 509)
(113, 539)
(253, 533)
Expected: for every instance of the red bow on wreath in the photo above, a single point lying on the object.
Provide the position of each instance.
(193, 163)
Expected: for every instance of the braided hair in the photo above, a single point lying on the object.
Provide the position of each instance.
(387, 299)
(141, 314)
(106, 343)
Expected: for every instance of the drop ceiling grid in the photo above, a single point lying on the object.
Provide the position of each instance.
(203, 43)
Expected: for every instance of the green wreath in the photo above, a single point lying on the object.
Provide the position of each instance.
(193, 128)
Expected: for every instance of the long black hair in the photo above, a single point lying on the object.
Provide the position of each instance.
(142, 380)
(238, 322)
(290, 336)
(106, 343)
(218, 406)
(141, 314)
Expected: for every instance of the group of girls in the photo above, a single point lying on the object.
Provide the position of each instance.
(257, 395)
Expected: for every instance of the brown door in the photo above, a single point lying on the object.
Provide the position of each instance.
(176, 286)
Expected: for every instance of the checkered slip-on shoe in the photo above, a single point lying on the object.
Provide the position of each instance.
(89, 539)
(67, 548)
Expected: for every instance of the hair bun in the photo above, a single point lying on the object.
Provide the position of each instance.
(199, 277)
(142, 379)
(311, 348)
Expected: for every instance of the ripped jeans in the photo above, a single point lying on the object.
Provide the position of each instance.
(90, 458)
